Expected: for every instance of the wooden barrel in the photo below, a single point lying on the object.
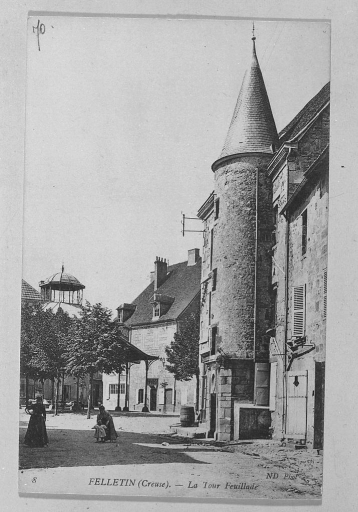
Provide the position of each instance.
(187, 416)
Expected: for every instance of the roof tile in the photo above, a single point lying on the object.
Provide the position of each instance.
(182, 283)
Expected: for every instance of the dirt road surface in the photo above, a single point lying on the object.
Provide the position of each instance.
(148, 460)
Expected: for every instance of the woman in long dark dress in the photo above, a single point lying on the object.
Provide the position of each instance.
(106, 419)
(36, 435)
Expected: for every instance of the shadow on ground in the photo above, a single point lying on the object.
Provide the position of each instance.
(69, 448)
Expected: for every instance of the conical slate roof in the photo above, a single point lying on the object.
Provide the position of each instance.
(252, 128)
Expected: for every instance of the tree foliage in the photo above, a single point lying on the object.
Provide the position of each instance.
(183, 352)
(43, 341)
(95, 345)
(95, 342)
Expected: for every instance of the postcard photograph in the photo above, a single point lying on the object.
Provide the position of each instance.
(175, 257)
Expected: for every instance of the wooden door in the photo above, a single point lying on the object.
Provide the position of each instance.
(212, 414)
(296, 420)
(153, 399)
(319, 406)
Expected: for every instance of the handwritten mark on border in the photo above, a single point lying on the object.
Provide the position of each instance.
(39, 29)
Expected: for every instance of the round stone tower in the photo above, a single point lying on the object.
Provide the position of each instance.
(242, 241)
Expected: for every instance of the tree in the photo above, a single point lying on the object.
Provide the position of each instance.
(43, 344)
(183, 352)
(28, 342)
(94, 345)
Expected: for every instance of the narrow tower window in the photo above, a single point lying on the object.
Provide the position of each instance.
(211, 248)
(217, 206)
(304, 232)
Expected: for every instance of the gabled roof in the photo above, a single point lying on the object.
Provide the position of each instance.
(252, 128)
(301, 120)
(182, 283)
(321, 162)
(28, 293)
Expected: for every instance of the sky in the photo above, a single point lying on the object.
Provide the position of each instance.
(124, 118)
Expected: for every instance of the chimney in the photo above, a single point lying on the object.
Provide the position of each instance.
(160, 272)
(193, 256)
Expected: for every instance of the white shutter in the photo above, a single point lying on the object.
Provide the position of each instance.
(298, 310)
(137, 395)
(161, 396)
(273, 386)
(210, 336)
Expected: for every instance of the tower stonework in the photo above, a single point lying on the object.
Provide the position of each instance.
(235, 361)
(242, 243)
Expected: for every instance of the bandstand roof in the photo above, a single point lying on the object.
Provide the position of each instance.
(62, 281)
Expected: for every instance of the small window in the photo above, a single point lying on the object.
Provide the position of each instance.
(140, 396)
(274, 308)
(156, 310)
(113, 389)
(275, 225)
(217, 207)
(211, 248)
(304, 232)
(122, 388)
(214, 279)
(209, 309)
(214, 332)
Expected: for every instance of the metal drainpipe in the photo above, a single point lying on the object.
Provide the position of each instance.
(284, 405)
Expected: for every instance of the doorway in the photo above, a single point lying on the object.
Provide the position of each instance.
(212, 415)
(296, 425)
(96, 394)
(153, 398)
(319, 405)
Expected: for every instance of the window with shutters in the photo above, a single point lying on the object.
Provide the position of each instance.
(298, 311)
(325, 293)
(304, 232)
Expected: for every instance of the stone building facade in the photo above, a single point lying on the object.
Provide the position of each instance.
(269, 189)
(234, 346)
(300, 181)
(151, 321)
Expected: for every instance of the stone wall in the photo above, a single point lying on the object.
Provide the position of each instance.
(234, 256)
(153, 340)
